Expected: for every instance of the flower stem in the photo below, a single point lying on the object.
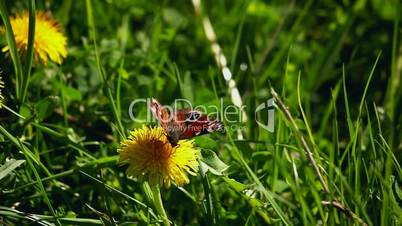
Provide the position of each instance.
(158, 204)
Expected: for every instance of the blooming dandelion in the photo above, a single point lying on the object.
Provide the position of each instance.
(151, 156)
(50, 42)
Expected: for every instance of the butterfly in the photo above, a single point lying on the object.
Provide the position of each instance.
(183, 123)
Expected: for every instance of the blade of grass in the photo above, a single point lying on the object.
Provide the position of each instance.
(334, 151)
(92, 31)
(27, 153)
(345, 96)
(357, 155)
(300, 139)
(386, 209)
(394, 80)
(16, 215)
(9, 166)
(279, 132)
(30, 49)
(305, 120)
(250, 59)
(112, 189)
(294, 32)
(120, 73)
(97, 163)
(253, 202)
(342, 205)
(237, 155)
(367, 84)
(124, 30)
(12, 48)
(329, 111)
(267, 194)
(42, 219)
(237, 42)
(208, 203)
(295, 187)
(63, 99)
(321, 70)
(41, 187)
(274, 37)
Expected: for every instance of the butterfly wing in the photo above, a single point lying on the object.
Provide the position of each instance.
(160, 113)
(196, 123)
(172, 125)
(184, 124)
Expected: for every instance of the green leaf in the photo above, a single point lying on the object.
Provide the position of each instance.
(280, 186)
(123, 73)
(211, 162)
(237, 186)
(205, 142)
(70, 92)
(45, 107)
(398, 191)
(173, 17)
(25, 111)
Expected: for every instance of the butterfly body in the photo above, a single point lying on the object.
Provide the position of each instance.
(183, 123)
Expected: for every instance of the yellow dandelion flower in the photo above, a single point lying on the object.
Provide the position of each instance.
(151, 156)
(49, 40)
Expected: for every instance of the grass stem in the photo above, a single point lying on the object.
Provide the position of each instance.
(157, 199)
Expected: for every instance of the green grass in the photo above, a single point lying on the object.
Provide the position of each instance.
(333, 68)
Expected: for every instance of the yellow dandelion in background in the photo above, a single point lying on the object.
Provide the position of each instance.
(151, 156)
(49, 40)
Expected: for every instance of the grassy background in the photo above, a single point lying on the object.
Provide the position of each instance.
(336, 65)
